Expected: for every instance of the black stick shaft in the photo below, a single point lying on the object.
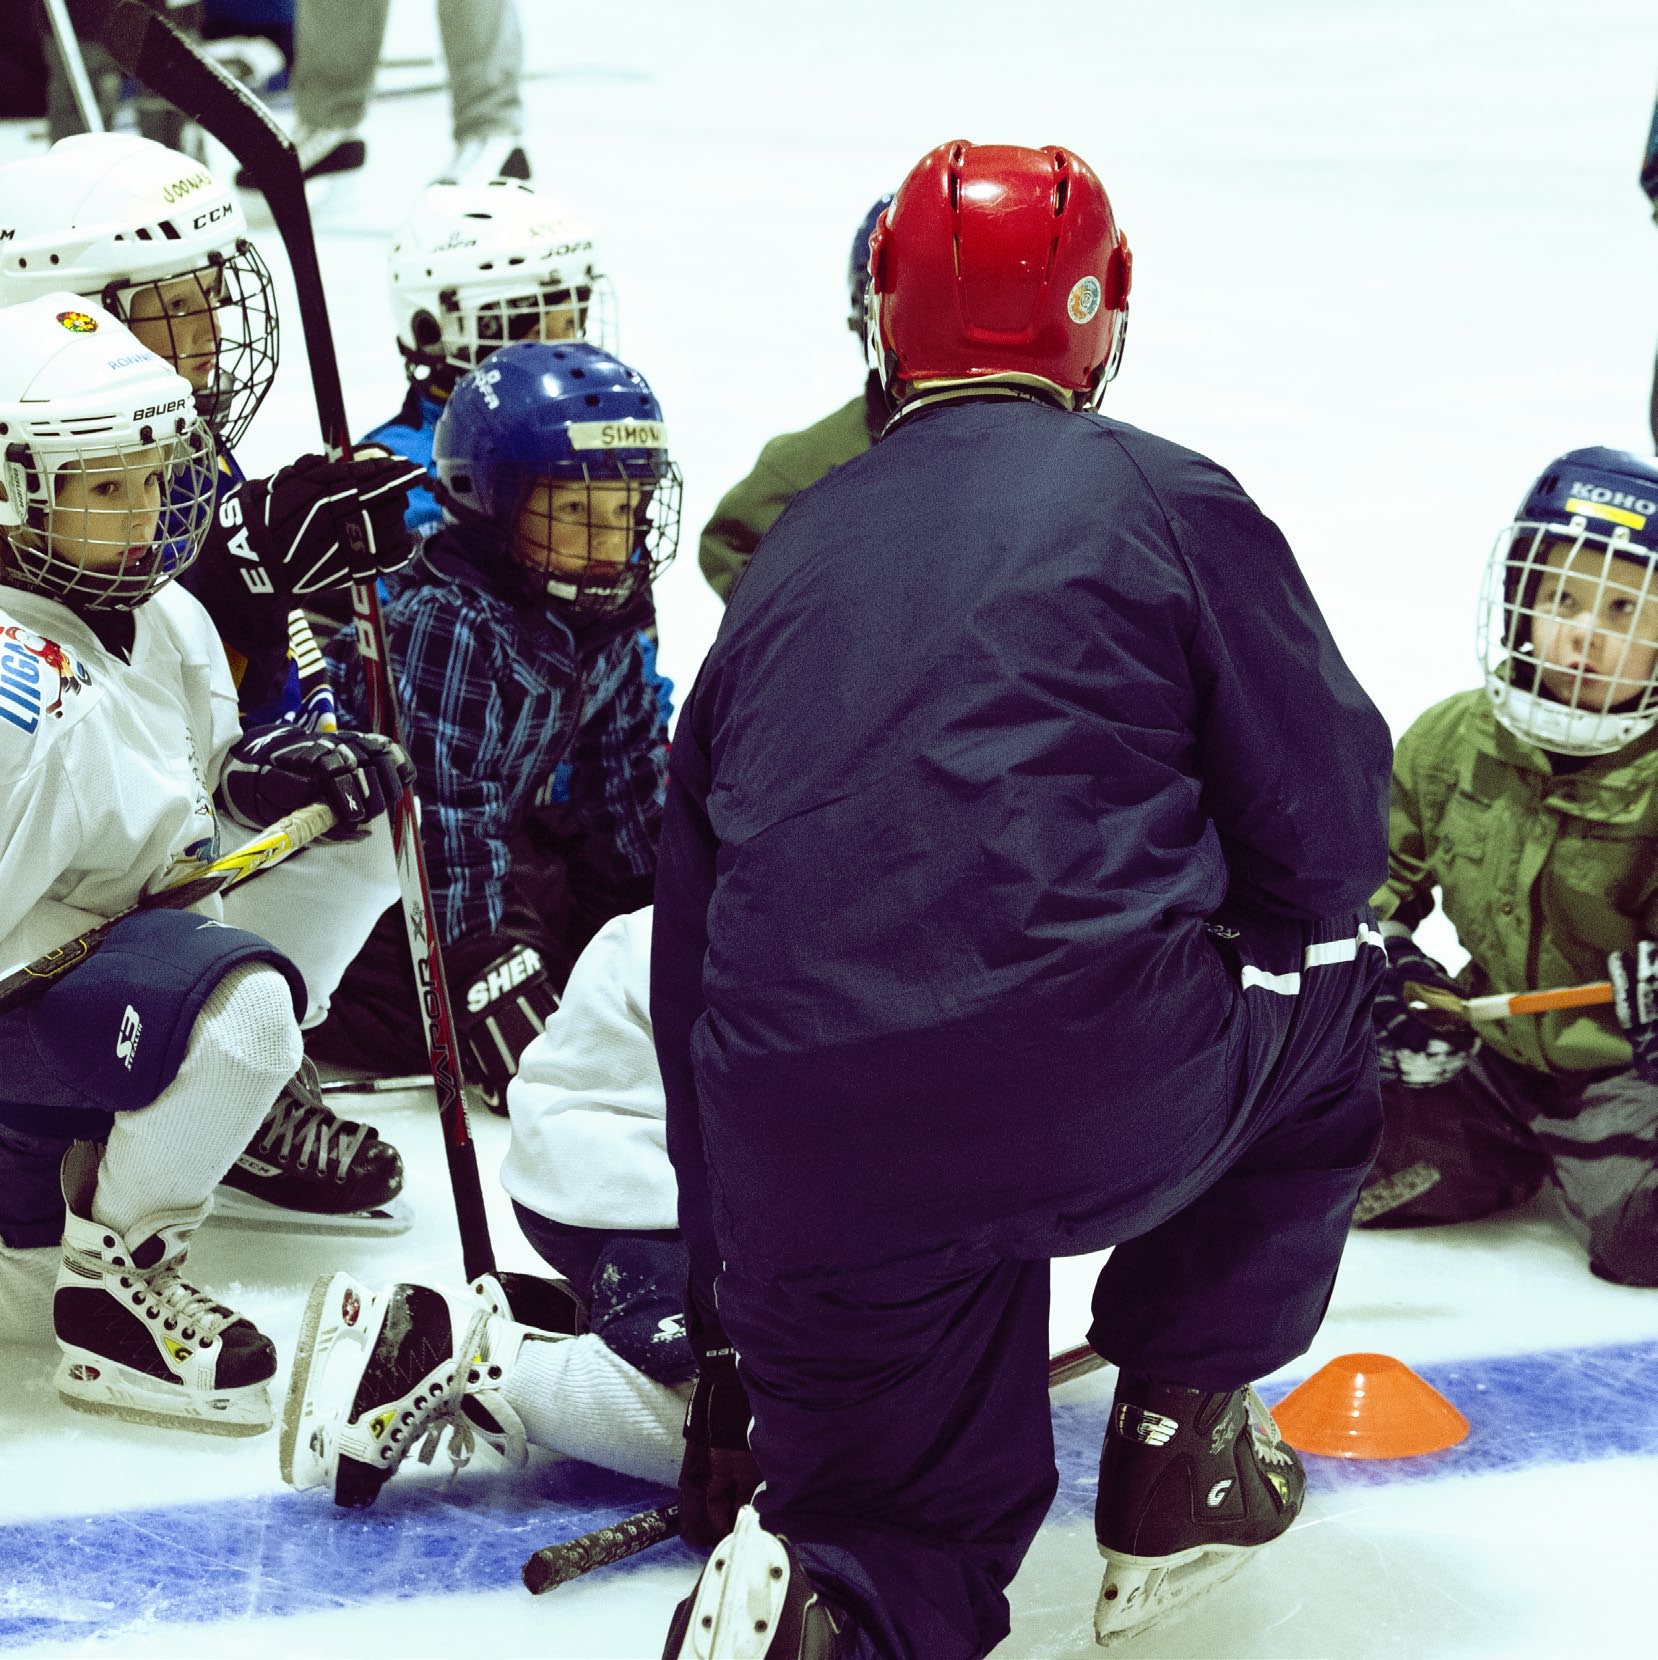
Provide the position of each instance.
(556, 1565)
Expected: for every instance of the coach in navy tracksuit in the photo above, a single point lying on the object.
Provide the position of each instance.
(1005, 821)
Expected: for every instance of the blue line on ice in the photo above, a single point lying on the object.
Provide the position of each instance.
(84, 1577)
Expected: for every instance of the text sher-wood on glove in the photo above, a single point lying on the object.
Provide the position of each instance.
(315, 525)
(272, 770)
(1634, 977)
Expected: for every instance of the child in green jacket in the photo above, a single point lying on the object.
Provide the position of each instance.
(1533, 806)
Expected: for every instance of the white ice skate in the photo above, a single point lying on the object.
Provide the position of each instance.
(378, 1375)
(138, 1341)
(753, 1603)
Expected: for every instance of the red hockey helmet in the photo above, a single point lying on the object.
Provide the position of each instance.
(994, 260)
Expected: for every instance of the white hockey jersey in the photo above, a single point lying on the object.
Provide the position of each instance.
(589, 1142)
(107, 767)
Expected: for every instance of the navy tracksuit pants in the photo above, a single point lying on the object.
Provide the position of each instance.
(901, 1414)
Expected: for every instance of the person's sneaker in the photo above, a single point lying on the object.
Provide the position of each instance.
(487, 156)
(321, 150)
(754, 1602)
(307, 1170)
(1190, 1484)
(140, 1342)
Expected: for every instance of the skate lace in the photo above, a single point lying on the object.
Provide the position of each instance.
(176, 1305)
(444, 1412)
(302, 1116)
(1269, 1446)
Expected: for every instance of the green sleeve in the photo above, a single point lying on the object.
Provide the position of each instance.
(787, 465)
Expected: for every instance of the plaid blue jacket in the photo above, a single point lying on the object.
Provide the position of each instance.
(493, 699)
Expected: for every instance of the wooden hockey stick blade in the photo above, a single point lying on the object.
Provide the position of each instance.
(1390, 1192)
(288, 835)
(555, 1565)
(1502, 1005)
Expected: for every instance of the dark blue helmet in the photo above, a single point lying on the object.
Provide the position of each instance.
(857, 269)
(540, 416)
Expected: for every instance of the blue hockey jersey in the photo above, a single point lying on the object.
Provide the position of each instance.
(1002, 715)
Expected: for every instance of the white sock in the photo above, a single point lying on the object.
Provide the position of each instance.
(170, 1155)
(26, 1281)
(577, 1396)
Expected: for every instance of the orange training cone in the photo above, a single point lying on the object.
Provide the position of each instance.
(1368, 1406)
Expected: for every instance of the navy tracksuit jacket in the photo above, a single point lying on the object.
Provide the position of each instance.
(1002, 716)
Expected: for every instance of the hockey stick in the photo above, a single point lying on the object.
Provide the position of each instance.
(146, 46)
(74, 67)
(1390, 1192)
(270, 847)
(1501, 1005)
(555, 1565)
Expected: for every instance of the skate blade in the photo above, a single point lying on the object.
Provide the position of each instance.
(245, 1210)
(341, 1313)
(742, 1591)
(1139, 1591)
(105, 1391)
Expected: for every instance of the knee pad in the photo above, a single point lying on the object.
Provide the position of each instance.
(638, 1306)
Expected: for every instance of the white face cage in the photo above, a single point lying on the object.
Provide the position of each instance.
(466, 328)
(1568, 636)
(596, 537)
(106, 525)
(216, 324)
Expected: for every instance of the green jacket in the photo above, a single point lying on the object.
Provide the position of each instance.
(1541, 873)
(786, 466)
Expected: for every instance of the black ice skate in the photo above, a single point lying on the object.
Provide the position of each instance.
(378, 1375)
(1190, 1484)
(754, 1603)
(309, 1171)
(138, 1341)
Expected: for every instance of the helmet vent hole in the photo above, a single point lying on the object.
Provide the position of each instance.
(591, 399)
(171, 231)
(1061, 191)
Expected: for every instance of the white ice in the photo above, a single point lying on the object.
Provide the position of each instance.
(1389, 259)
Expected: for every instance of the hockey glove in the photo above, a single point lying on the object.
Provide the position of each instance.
(717, 1475)
(1413, 1049)
(315, 525)
(502, 999)
(272, 770)
(1634, 977)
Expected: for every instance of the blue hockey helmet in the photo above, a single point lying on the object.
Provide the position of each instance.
(1568, 629)
(857, 268)
(564, 419)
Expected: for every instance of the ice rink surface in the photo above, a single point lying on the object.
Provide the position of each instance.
(1390, 258)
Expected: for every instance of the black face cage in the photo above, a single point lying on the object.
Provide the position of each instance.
(238, 293)
(107, 527)
(604, 587)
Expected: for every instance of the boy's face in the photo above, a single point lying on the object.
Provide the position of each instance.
(580, 532)
(178, 319)
(105, 510)
(1594, 629)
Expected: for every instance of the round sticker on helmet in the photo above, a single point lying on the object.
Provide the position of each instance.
(1084, 299)
(77, 322)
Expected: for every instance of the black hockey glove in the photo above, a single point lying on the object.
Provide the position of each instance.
(315, 525)
(1412, 1048)
(1634, 977)
(502, 999)
(717, 1475)
(273, 770)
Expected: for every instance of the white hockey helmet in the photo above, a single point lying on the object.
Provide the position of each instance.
(150, 235)
(108, 477)
(476, 266)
